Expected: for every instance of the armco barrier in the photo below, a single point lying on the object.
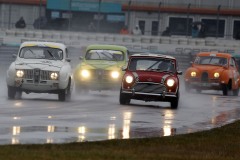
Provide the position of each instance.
(15, 36)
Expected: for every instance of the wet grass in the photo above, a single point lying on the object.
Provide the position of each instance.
(217, 144)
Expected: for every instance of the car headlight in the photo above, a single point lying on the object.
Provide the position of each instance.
(193, 74)
(170, 82)
(129, 79)
(216, 75)
(54, 75)
(20, 73)
(114, 74)
(85, 73)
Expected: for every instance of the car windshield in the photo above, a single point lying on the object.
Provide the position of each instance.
(109, 55)
(211, 60)
(41, 53)
(152, 64)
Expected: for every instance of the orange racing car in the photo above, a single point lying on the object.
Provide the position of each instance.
(213, 71)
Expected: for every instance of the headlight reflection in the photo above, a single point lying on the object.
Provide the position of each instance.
(111, 131)
(81, 132)
(126, 125)
(167, 126)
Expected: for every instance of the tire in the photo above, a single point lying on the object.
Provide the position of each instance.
(174, 102)
(62, 95)
(124, 98)
(65, 94)
(225, 89)
(11, 92)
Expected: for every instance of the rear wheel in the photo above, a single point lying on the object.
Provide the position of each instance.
(11, 92)
(124, 98)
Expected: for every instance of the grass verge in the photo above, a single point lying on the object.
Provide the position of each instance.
(217, 144)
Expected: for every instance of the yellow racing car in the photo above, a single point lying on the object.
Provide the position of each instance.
(101, 68)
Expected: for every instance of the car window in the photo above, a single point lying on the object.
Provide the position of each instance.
(232, 63)
(109, 55)
(41, 53)
(211, 60)
(158, 64)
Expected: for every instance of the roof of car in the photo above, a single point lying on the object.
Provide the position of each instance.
(227, 55)
(43, 44)
(152, 55)
(104, 46)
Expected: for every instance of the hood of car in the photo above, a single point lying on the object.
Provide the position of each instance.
(155, 77)
(102, 64)
(41, 64)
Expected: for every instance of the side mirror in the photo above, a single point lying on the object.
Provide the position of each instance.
(179, 72)
(81, 58)
(124, 68)
(14, 56)
(191, 63)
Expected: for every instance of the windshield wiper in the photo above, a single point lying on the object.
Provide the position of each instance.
(52, 56)
(150, 68)
(159, 70)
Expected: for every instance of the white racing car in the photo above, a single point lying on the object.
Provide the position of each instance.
(40, 67)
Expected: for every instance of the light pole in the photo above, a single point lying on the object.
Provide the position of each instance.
(70, 14)
(188, 10)
(99, 11)
(9, 15)
(159, 11)
(218, 13)
(40, 10)
(128, 20)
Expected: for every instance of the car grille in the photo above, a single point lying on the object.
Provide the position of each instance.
(100, 74)
(37, 74)
(204, 77)
(149, 88)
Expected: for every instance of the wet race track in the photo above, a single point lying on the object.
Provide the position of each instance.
(41, 118)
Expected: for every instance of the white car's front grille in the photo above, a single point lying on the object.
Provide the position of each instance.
(37, 74)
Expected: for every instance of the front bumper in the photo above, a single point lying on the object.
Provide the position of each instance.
(28, 85)
(164, 94)
(98, 85)
(205, 85)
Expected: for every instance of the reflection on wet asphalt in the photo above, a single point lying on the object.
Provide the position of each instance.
(41, 118)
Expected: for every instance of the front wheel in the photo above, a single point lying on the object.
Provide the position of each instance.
(11, 92)
(174, 102)
(65, 94)
(225, 89)
(124, 98)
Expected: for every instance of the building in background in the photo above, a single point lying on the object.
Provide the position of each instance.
(219, 18)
